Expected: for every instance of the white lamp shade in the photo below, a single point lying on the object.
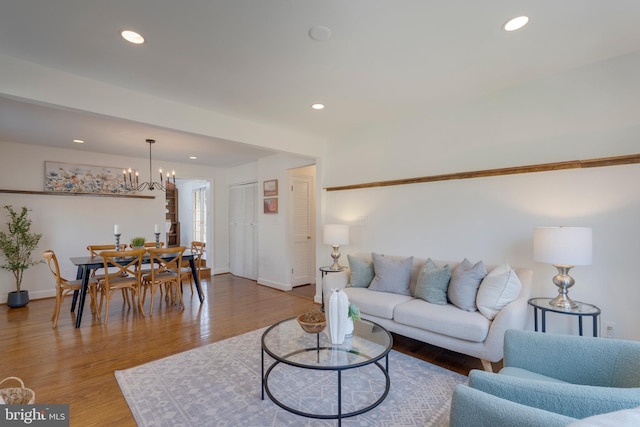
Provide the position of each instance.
(563, 245)
(335, 234)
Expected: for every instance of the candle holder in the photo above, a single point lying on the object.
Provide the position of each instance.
(117, 236)
(157, 239)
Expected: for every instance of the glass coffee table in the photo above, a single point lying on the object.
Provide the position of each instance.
(288, 344)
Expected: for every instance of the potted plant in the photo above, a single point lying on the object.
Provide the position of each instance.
(353, 314)
(137, 242)
(16, 245)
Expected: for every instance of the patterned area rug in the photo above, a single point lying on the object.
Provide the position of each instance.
(219, 385)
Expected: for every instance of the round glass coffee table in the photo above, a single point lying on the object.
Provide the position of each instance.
(288, 344)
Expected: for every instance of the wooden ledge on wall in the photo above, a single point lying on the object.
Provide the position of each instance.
(66, 193)
(544, 167)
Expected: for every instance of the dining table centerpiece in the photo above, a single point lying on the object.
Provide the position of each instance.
(138, 242)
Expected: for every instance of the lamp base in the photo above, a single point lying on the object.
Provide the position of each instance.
(564, 302)
(563, 281)
(335, 254)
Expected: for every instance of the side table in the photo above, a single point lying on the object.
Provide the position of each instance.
(582, 310)
(324, 271)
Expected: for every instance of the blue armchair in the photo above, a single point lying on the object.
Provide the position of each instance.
(550, 380)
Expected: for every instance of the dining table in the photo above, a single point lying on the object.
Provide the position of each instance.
(86, 264)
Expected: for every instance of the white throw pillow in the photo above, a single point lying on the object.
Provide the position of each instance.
(498, 288)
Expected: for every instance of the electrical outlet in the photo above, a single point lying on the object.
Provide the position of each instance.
(609, 329)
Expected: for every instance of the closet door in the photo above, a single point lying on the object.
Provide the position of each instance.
(243, 231)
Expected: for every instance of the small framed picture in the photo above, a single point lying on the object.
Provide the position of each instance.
(271, 188)
(271, 205)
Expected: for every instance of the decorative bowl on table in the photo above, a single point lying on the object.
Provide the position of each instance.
(312, 322)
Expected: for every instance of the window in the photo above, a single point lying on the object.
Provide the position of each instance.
(199, 214)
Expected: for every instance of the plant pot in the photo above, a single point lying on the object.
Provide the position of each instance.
(17, 299)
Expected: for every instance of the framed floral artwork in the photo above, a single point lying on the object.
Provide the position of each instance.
(271, 188)
(271, 205)
(72, 178)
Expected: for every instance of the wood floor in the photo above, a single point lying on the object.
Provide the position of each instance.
(75, 366)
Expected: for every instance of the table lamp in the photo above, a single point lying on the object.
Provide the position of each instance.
(564, 247)
(336, 235)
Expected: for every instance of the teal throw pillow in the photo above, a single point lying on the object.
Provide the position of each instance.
(392, 274)
(433, 282)
(463, 287)
(361, 272)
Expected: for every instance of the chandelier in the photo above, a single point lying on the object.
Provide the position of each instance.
(131, 181)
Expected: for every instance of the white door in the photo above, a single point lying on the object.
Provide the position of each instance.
(243, 233)
(303, 226)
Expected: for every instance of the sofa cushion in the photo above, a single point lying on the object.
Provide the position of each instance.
(391, 274)
(361, 271)
(443, 319)
(625, 417)
(497, 289)
(526, 374)
(375, 303)
(433, 282)
(465, 280)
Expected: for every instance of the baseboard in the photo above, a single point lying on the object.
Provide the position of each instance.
(47, 293)
(275, 285)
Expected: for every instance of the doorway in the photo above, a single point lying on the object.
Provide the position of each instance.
(194, 207)
(303, 226)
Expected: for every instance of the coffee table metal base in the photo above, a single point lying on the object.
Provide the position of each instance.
(339, 415)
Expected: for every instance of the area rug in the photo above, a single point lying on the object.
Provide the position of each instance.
(219, 385)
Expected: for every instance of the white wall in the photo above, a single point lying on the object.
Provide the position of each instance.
(70, 223)
(492, 219)
(586, 113)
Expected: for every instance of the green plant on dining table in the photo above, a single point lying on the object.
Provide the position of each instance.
(138, 242)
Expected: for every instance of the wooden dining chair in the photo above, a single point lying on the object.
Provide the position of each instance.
(126, 276)
(166, 272)
(98, 274)
(197, 248)
(64, 286)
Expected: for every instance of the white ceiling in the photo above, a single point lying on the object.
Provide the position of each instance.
(255, 60)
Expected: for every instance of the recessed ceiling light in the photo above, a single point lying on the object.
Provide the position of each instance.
(317, 106)
(320, 33)
(78, 141)
(132, 37)
(515, 23)
(193, 157)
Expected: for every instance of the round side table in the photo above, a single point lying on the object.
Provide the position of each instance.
(581, 311)
(324, 271)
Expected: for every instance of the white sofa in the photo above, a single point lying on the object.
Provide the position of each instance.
(445, 326)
